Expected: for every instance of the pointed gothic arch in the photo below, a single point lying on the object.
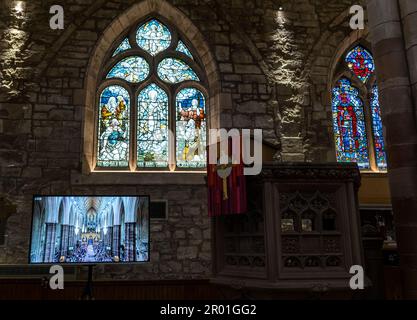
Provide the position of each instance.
(115, 33)
(355, 105)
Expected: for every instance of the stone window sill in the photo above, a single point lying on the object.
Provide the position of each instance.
(138, 178)
(369, 173)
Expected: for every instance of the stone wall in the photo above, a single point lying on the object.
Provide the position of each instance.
(273, 69)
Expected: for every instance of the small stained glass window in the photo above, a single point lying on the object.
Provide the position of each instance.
(131, 69)
(124, 46)
(349, 125)
(191, 129)
(113, 131)
(174, 71)
(181, 47)
(153, 37)
(152, 135)
(358, 123)
(377, 129)
(361, 63)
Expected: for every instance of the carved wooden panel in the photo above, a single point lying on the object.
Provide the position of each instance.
(243, 250)
(309, 233)
(302, 230)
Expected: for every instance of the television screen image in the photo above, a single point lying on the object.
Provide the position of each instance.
(90, 229)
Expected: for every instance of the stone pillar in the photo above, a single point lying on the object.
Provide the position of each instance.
(374, 265)
(409, 20)
(72, 237)
(108, 237)
(102, 235)
(398, 113)
(116, 241)
(50, 242)
(130, 243)
(65, 234)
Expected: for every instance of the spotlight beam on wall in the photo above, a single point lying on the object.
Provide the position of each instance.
(18, 7)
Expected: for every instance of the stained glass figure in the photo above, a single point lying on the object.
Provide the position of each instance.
(152, 135)
(175, 71)
(361, 63)
(124, 46)
(191, 129)
(349, 125)
(181, 47)
(131, 69)
(381, 158)
(153, 37)
(113, 128)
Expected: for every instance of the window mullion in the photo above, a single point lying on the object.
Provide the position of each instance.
(172, 128)
(133, 136)
(370, 135)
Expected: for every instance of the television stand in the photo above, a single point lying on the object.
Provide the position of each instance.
(88, 290)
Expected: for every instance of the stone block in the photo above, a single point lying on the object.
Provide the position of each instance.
(52, 145)
(226, 120)
(247, 69)
(197, 267)
(57, 99)
(226, 67)
(42, 132)
(194, 233)
(32, 172)
(221, 38)
(232, 77)
(13, 172)
(292, 145)
(12, 157)
(61, 114)
(179, 234)
(242, 56)
(245, 88)
(222, 53)
(264, 122)
(242, 121)
(251, 107)
(189, 252)
(86, 35)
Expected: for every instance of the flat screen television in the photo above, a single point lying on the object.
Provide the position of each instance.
(89, 229)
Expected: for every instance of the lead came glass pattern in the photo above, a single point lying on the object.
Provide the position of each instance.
(174, 71)
(349, 125)
(191, 129)
(124, 46)
(113, 128)
(155, 117)
(131, 69)
(152, 135)
(153, 37)
(378, 131)
(361, 63)
(181, 47)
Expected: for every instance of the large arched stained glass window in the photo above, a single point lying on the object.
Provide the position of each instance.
(349, 125)
(357, 120)
(144, 90)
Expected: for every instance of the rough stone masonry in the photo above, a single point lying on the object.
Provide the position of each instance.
(274, 74)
